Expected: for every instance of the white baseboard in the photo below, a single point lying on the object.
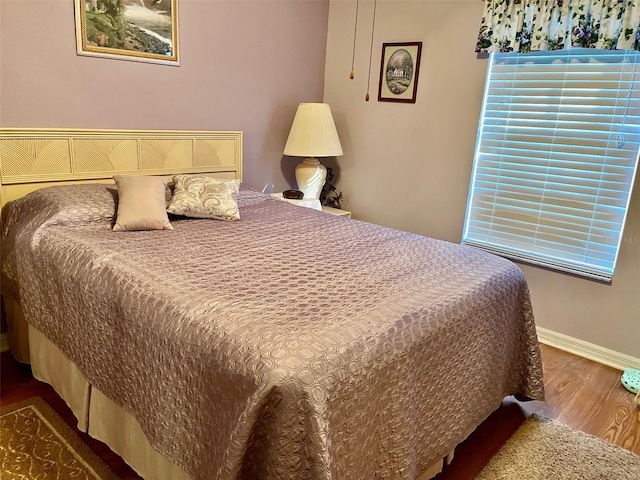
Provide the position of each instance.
(4, 343)
(587, 350)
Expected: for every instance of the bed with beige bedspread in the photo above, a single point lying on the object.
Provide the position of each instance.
(289, 344)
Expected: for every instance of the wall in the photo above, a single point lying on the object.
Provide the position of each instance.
(244, 65)
(408, 166)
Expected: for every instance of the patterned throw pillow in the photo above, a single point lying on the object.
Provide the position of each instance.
(200, 196)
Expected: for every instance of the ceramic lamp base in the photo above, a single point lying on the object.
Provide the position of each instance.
(310, 177)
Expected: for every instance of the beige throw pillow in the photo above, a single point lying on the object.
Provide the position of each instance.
(200, 196)
(141, 203)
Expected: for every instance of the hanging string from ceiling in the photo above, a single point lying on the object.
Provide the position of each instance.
(373, 28)
(355, 30)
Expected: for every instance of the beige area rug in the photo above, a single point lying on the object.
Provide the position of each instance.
(544, 449)
(36, 443)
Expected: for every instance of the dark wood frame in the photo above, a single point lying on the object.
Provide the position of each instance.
(414, 49)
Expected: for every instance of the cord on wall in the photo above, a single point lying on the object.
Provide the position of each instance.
(355, 30)
(373, 29)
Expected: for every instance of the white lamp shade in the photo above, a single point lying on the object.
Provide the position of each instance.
(313, 132)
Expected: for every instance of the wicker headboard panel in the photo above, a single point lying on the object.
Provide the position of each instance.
(35, 158)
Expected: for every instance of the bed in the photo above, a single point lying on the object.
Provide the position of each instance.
(288, 344)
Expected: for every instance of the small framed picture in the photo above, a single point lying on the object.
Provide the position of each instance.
(399, 72)
(137, 30)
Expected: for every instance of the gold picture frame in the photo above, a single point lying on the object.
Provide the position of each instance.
(399, 70)
(136, 30)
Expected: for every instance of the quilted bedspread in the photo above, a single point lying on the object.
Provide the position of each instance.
(291, 344)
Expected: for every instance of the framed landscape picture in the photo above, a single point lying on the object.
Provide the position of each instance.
(399, 72)
(138, 30)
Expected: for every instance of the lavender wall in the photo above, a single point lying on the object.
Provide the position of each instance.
(423, 186)
(244, 65)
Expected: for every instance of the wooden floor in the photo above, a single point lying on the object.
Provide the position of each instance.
(580, 393)
(589, 396)
(585, 395)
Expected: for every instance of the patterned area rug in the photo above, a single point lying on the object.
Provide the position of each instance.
(36, 443)
(544, 449)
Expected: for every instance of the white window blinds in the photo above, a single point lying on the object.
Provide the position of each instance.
(556, 156)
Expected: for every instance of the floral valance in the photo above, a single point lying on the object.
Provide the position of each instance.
(531, 25)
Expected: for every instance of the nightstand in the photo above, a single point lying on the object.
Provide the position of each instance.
(315, 204)
(336, 211)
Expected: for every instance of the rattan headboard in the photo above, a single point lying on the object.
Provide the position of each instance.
(34, 158)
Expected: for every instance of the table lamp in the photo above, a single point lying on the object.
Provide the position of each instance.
(313, 134)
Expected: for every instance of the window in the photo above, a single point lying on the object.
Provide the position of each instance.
(556, 157)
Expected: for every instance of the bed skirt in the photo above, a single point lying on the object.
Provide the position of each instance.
(97, 415)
